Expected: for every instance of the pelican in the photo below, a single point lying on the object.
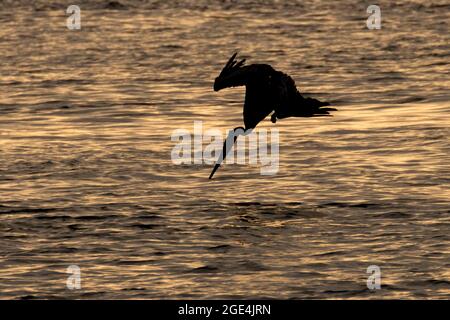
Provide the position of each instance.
(267, 91)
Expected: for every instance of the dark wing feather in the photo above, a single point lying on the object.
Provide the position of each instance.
(290, 103)
(231, 65)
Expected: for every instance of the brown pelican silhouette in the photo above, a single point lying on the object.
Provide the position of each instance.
(267, 90)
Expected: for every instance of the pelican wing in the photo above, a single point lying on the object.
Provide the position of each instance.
(236, 74)
(290, 102)
(267, 90)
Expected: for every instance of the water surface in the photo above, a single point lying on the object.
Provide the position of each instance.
(86, 176)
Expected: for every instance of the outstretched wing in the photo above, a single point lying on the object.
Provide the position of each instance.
(267, 90)
(231, 65)
(232, 75)
(236, 74)
(290, 102)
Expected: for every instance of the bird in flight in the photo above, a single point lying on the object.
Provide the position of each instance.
(267, 91)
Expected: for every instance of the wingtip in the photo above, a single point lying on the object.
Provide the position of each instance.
(232, 58)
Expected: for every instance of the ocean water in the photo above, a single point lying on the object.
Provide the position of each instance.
(86, 176)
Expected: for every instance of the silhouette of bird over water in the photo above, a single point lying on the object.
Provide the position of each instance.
(267, 90)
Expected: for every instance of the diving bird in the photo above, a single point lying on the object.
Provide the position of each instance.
(267, 91)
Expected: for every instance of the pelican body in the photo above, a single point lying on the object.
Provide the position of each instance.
(267, 91)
